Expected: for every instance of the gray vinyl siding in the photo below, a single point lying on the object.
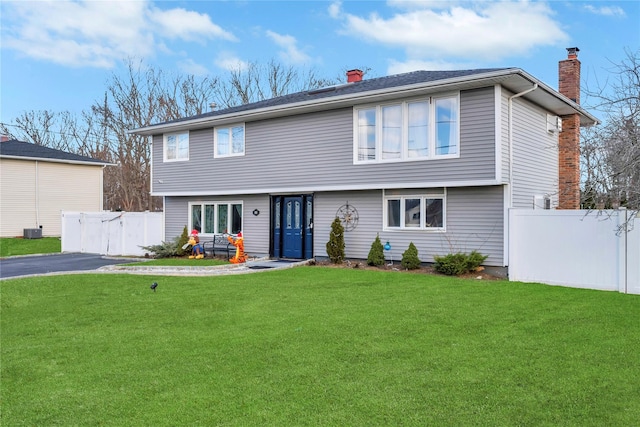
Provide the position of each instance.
(256, 228)
(474, 221)
(315, 151)
(535, 155)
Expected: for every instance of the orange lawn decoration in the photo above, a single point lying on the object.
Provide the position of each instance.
(238, 242)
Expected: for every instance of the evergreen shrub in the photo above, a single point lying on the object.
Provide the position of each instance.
(410, 259)
(335, 245)
(376, 253)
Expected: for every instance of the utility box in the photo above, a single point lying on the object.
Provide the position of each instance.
(32, 233)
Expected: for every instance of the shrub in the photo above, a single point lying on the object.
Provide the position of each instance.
(459, 263)
(170, 249)
(376, 253)
(410, 259)
(182, 240)
(335, 245)
(163, 250)
(474, 260)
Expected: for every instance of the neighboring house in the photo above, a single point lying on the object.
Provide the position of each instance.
(37, 183)
(431, 157)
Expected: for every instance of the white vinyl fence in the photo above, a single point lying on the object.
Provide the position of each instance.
(111, 233)
(582, 249)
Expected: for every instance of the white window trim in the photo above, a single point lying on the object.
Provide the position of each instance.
(405, 130)
(165, 145)
(215, 213)
(422, 197)
(229, 128)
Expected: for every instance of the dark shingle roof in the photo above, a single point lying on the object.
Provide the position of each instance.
(380, 83)
(15, 148)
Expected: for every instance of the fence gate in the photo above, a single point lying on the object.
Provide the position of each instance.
(111, 233)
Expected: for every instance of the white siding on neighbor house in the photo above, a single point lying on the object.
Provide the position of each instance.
(474, 222)
(18, 197)
(314, 152)
(66, 187)
(34, 194)
(535, 156)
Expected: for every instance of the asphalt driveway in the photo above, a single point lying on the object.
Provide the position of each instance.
(42, 264)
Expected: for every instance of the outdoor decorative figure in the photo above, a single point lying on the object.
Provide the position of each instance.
(387, 247)
(238, 242)
(197, 251)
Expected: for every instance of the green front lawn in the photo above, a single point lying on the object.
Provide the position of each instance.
(315, 346)
(13, 246)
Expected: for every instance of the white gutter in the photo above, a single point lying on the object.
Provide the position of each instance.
(45, 159)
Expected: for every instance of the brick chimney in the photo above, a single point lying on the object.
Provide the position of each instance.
(354, 76)
(4, 138)
(569, 139)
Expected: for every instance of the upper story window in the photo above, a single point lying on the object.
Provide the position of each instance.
(228, 141)
(176, 146)
(409, 130)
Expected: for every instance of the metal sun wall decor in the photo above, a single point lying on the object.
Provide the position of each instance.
(348, 216)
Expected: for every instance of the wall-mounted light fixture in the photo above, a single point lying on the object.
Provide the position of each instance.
(256, 212)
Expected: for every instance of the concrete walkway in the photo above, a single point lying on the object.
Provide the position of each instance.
(252, 266)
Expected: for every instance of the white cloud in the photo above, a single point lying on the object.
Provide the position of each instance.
(396, 67)
(605, 10)
(189, 66)
(482, 31)
(291, 52)
(83, 33)
(335, 9)
(187, 25)
(228, 61)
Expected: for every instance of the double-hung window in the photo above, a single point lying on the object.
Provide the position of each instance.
(411, 130)
(416, 212)
(228, 141)
(176, 146)
(216, 217)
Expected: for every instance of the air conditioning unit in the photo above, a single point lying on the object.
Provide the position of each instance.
(554, 124)
(541, 202)
(32, 233)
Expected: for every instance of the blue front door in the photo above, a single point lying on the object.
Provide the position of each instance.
(292, 227)
(292, 232)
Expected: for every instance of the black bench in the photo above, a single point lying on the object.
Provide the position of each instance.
(218, 245)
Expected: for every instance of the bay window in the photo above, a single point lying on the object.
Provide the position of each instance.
(410, 130)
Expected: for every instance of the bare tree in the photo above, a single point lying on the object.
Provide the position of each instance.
(142, 96)
(139, 98)
(258, 82)
(611, 152)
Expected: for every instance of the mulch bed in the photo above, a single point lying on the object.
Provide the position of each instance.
(425, 269)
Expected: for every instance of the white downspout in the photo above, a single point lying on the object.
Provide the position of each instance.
(37, 196)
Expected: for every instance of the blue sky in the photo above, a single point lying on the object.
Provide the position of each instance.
(58, 55)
